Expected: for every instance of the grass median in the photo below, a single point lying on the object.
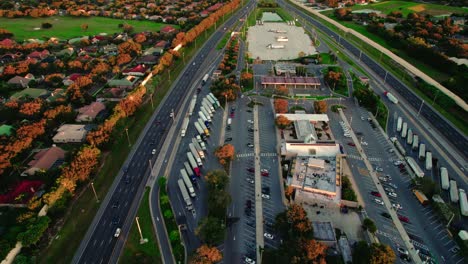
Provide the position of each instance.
(134, 252)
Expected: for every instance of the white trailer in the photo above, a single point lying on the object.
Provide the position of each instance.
(193, 102)
(399, 147)
(213, 100)
(428, 160)
(205, 79)
(399, 123)
(444, 178)
(422, 151)
(463, 202)
(199, 148)
(209, 103)
(194, 152)
(202, 116)
(187, 182)
(391, 97)
(199, 129)
(204, 127)
(208, 107)
(205, 113)
(453, 191)
(404, 130)
(193, 164)
(415, 142)
(409, 137)
(190, 171)
(415, 167)
(185, 124)
(188, 202)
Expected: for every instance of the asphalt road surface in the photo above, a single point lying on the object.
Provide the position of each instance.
(121, 203)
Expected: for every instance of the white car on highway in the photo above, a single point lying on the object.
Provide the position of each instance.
(378, 201)
(117, 232)
(266, 196)
(153, 151)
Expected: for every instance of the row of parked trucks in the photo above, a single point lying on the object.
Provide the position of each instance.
(197, 147)
(456, 195)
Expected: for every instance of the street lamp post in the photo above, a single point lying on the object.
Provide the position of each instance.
(385, 78)
(128, 138)
(151, 99)
(422, 103)
(94, 191)
(433, 101)
(142, 240)
(183, 55)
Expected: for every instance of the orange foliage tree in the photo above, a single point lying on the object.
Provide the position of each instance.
(313, 251)
(31, 108)
(282, 122)
(320, 106)
(281, 106)
(75, 90)
(207, 255)
(57, 111)
(225, 153)
(100, 68)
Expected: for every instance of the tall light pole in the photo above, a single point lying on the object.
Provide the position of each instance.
(142, 240)
(422, 103)
(128, 138)
(433, 101)
(94, 191)
(151, 99)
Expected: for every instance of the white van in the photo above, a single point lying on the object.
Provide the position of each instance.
(117, 232)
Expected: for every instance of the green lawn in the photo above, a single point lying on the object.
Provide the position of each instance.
(66, 27)
(142, 253)
(409, 7)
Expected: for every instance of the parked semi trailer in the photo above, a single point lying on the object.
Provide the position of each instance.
(391, 97)
(202, 116)
(409, 137)
(415, 142)
(210, 104)
(193, 102)
(398, 146)
(193, 164)
(206, 111)
(198, 148)
(195, 154)
(216, 104)
(208, 107)
(404, 130)
(463, 202)
(422, 151)
(183, 190)
(187, 182)
(453, 191)
(198, 144)
(184, 126)
(199, 129)
(399, 123)
(208, 117)
(190, 172)
(428, 160)
(444, 178)
(415, 167)
(205, 129)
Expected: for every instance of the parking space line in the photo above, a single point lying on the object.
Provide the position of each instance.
(448, 242)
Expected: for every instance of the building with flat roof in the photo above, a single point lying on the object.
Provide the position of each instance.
(285, 68)
(324, 233)
(70, 134)
(295, 81)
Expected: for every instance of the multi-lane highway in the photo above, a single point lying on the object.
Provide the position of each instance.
(121, 203)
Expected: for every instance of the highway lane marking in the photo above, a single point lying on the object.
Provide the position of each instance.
(102, 242)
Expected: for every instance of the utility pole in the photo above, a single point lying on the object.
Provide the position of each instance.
(420, 107)
(94, 191)
(128, 138)
(142, 240)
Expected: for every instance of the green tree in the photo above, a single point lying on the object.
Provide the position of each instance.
(164, 200)
(218, 200)
(168, 214)
(174, 235)
(382, 254)
(362, 253)
(210, 230)
(34, 232)
(217, 179)
(369, 225)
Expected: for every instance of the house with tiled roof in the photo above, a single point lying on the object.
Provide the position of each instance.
(70, 79)
(138, 70)
(148, 59)
(215, 7)
(110, 49)
(44, 160)
(69, 133)
(125, 83)
(7, 42)
(20, 81)
(167, 30)
(40, 55)
(88, 113)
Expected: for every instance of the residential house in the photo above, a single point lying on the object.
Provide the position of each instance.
(156, 51)
(138, 70)
(7, 43)
(148, 59)
(204, 13)
(30, 92)
(110, 49)
(182, 20)
(71, 78)
(70, 134)
(19, 81)
(126, 83)
(155, 18)
(88, 113)
(65, 52)
(215, 7)
(161, 44)
(460, 21)
(40, 55)
(112, 94)
(9, 57)
(45, 160)
(167, 30)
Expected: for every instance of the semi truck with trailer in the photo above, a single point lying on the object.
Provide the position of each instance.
(206, 111)
(415, 144)
(183, 190)
(208, 107)
(409, 137)
(202, 116)
(195, 155)
(463, 202)
(199, 148)
(391, 97)
(199, 152)
(193, 102)
(399, 147)
(415, 167)
(209, 103)
(444, 179)
(184, 126)
(421, 197)
(205, 79)
(205, 129)
(428, 160)
(208, 117)
(422, 151)
(404, 130)
(187, 182)
(453, 191)
(199, 129)
(216, 102)
(193, 164)
(190, 172)
(399, 123)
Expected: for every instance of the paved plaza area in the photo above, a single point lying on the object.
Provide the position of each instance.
(259, 37)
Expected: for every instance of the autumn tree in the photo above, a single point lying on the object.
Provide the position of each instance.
(333, 78)
(225, 153)
(281, 106)
(293, 223)
(382, 254)
(140, 38)
(288, 192)
(217, 179)
(31, 108)
(129, 47)
(312, 252)
(320, 107)
(207, 255)
(282, 90)
(282, 122)
(84, 27)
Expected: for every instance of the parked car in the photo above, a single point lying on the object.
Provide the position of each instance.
(379, 169)
(269, 236)
(250, 145)
(153, 151)
(351, 144)
(403, 218)
(389, 189)
(265, 174)
(376, 194)
(402, 250)
(393, 185)
(250, 121)
(386, 215)
(228, 139)
(397, 206)
(398, 163)
(249, 260)
(392, 194)
(250, 169)
(378, 201)
(250, 180)
(266, 196)
(266, 190)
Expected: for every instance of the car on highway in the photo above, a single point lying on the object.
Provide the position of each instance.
(376, 194)
(125, 169)
(127, 179)
(392, 194)
(250, 180)
(115, 220)
(117, 232)
(250, 145)
(386, 215)
(251, 169)
(403, 218)
(266, 196)
(228, 139)
(378, 201)
(351, 144)
(269, 236)
(153, 151)
(115, 204)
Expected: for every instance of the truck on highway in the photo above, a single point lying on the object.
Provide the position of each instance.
(193, 102)
(202, 125)
(409, 137)
(399, 123)
(428, 160)
(415, 144)
(184, 126)
(183, 190)
(211, 104)
(193, 164)
(391, 97)
(205, 79)
(404, 130)
(422, 151)
(199, 148)
(190, 172)
(421, 197)
(398, 146)
(195, 155)
(187, 182)
(208, 117)
(453, 191)
(444, 179)
(415, 167)
(463, 202)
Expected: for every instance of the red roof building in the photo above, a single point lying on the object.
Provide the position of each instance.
(45, 159)
(7, 42)
(88, 113)
(215, 7)
(167, 30)
(139, 70)
(38, 54)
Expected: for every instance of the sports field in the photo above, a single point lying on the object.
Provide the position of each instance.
(409, 7)
(65, 27)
